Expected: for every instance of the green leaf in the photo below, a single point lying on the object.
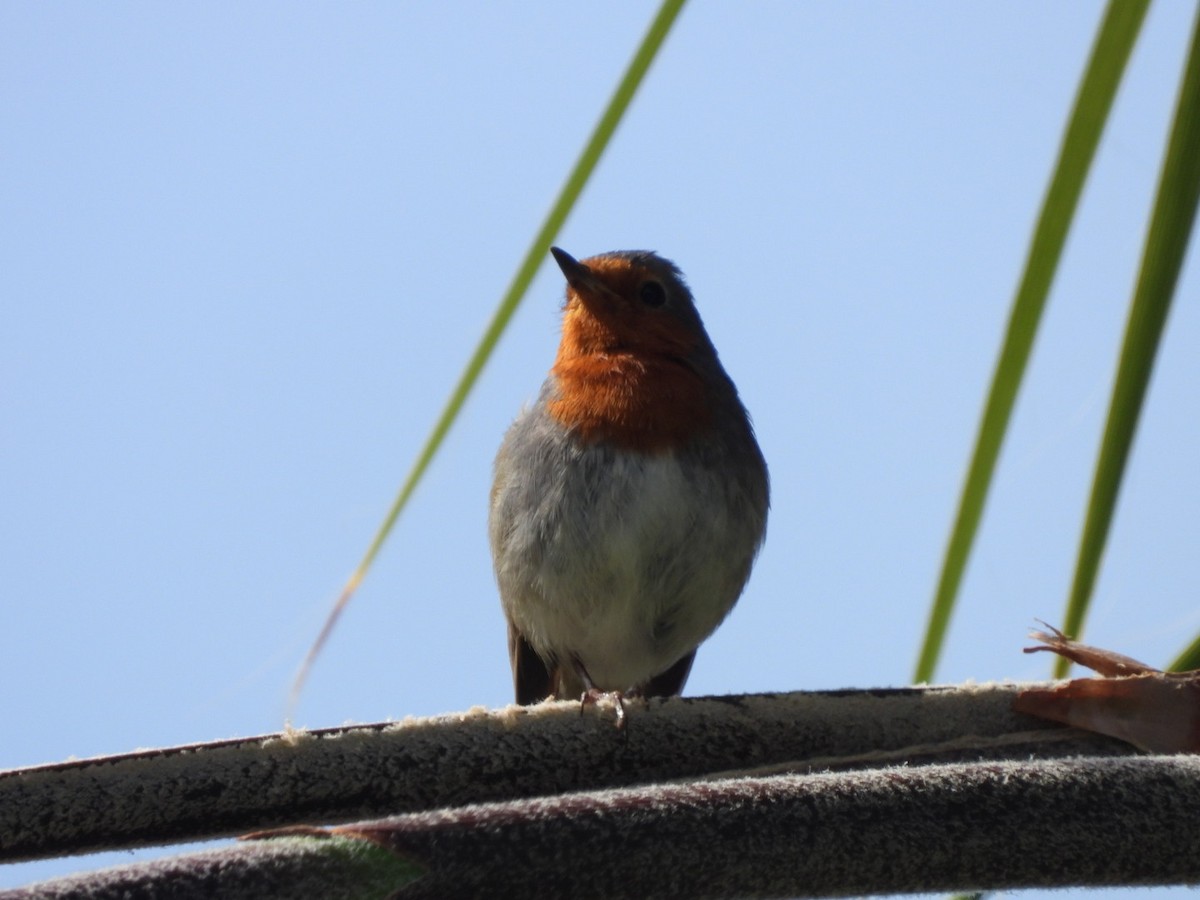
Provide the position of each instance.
(1118, 32)
(535, 256)
(1167, 240)
(1189, 659)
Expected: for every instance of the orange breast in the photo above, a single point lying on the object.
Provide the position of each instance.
(649, 405)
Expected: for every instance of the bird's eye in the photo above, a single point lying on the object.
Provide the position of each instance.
(652, 293)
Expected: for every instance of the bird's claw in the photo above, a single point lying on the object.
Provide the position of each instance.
(592, 696)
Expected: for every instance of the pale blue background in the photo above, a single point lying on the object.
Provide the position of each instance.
(246, 249)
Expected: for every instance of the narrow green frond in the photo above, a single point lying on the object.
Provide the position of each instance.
(1189, 659)
(535, 256)
(1118, 32)
(1167, 240)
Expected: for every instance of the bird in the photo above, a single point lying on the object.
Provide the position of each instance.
(629, 501)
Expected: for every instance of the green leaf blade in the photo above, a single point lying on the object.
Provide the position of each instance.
(1167, 239)
(1118, 32)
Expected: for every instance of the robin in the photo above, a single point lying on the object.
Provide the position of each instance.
(630, 500)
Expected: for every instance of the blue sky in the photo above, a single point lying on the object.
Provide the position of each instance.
(247, 249)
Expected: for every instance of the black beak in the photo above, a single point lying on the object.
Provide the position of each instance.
(578, 275)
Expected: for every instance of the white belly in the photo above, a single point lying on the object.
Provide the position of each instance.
(624, 563)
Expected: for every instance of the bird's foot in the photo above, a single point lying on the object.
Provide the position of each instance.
(592, 696)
